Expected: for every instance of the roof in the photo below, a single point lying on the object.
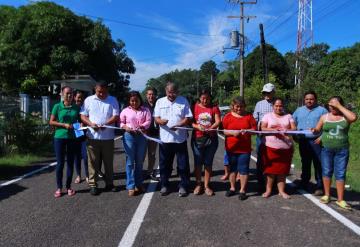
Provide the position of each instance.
(80, 82)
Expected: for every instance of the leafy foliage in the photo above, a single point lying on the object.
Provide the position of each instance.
(24, 135)
(43, 41)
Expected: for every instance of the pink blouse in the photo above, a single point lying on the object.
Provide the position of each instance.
(281, 122)
(135, 118)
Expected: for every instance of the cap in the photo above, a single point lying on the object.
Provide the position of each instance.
(268, 88)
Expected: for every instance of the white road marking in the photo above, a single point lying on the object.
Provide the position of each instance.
(342, 219)
(27, 175)
(133, 228)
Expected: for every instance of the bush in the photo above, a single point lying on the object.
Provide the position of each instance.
(24, 135)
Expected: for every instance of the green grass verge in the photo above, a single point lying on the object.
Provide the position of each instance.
(19, 159)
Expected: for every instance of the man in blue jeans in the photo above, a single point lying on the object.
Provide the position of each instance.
(307, 117)
(173, 111)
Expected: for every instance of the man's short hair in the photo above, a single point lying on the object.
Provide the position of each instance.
(172, 85)
(101, 84)
(310, 92)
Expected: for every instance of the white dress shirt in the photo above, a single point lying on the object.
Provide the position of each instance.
(174, 112)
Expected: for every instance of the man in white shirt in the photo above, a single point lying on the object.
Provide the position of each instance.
(173, 111)
(98, 110)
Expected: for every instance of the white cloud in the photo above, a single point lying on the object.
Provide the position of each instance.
(192, 51)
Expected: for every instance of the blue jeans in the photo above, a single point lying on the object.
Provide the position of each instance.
(64, 147)
(204, 155)
(239, 163)
(81, 154)
(135, 149)
(334, 161)
(167, 153)
(310, 152)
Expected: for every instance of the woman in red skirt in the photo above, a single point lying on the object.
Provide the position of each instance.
(278, 149)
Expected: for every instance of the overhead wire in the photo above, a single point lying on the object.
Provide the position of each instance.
(147, 27)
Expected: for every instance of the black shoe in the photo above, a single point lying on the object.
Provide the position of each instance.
(94, 191)
(242, 196)
(164, 191)
(182, 192)
(111, 188)
(153, 177)
(230, 193)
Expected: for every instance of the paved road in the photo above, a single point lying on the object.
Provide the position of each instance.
(31, 216)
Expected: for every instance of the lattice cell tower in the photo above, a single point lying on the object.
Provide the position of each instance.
(304, 33)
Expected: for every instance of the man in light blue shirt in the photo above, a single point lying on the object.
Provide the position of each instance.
(173, 111)
(306, 117)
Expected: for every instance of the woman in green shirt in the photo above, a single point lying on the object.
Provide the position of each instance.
(335, 152)
(63, 115)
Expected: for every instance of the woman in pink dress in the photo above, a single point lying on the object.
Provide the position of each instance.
(278, 149)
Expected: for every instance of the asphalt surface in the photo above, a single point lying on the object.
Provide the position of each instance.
(31, 216)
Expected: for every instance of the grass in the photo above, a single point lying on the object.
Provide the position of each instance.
(19, 160)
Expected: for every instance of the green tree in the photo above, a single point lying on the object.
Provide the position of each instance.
(276, 65)
(338, 73)
(43, 41)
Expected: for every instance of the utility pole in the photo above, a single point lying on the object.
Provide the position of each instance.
(304, 38)
(242, 41)
(263, 52)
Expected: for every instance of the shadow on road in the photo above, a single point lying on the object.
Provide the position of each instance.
(10, 190)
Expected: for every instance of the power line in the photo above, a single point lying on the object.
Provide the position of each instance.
(147, 27)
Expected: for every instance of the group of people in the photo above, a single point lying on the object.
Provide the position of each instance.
(169, 120)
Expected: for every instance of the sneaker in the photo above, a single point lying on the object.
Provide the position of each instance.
(242, 196)
(230, 193)
(153, 177)
(164, 191)
(94, 191)
(182, 192)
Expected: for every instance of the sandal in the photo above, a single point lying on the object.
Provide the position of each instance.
(325, 199)
(198, 190)
(77, 180)
(131, 192)
(266, 194)
(209, 192)
(57, 193)
(284, 196)
(343, 204)
(225, 177)
(70, 192)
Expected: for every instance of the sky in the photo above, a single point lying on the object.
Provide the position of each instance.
(164, 35)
